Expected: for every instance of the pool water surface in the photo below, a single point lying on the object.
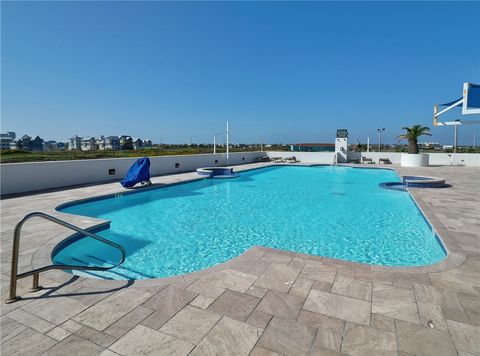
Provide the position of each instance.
(337, 212)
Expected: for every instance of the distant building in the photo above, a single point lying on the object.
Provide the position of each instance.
(75, 143)
(126, 142)
(36, 144)
(137, 144)
(429, 145)
(147, 143)
(313, 147)
(24, 143)
(89, 144)
(7, 139)
(109, 143)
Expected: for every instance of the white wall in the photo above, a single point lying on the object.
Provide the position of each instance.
(305, 157)
(441, 159)
(31, 176)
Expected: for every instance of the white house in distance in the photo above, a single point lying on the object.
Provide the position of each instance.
(6, 140)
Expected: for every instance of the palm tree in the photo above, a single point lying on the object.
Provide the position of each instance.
(412, 135)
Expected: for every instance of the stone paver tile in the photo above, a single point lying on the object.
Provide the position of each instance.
(319, 272)
(109, 310)
(470, 302)
(287, 337)
(321, 322)
(29, 342)
(361, 340)
(145, 341)
(190, 324)
(228, 337)
(379, 277)
(202, 301)
(250, 267)
(259, 319)
(260, 351)
(464, 353)
(461, 277)
(278, 277)
(31, 320)
(321, 351)
(297, 263)
(235, 305)
(10, 328)
(128, 322)
(353, 288)
(423, 341)
(59, 333)
(71, 326)
(108, 352)
(474, 318)
(301, 287)
(57, 311)
(448, 300)
(272, 257)
(322, 285)
(466, 337)
(97, 337)
(431, 313)
(170, 299)
(284, 305)
(382, 322)
(394, 302)
(338, 306)
(328, 339)
(257, 291)
(231, 279)
(205, 288)
(167, 303)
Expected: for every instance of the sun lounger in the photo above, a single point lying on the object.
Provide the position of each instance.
(384, 161)
(367, 160)
(292, 159)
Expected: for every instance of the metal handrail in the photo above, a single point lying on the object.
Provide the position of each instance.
(15, 276)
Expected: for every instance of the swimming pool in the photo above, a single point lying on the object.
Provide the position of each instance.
(337, 212)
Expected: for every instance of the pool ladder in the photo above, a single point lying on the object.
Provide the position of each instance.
(15, 276)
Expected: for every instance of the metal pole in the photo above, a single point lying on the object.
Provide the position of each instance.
(455, 139)
(379, 140)
(261, 144)
(368, 144)
(214, 144)
(228, 136)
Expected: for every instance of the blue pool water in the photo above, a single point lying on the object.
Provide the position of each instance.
(337, 212)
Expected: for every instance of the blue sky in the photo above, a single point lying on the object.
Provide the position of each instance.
(284, 71)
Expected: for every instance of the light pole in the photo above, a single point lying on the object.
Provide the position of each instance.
(215, 141)
(380, 138)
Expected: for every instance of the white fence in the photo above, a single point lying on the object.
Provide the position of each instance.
(27, 177)
(32, 176)
(440, 159)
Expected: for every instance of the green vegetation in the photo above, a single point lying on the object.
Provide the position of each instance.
(412, 134)
(15, 156)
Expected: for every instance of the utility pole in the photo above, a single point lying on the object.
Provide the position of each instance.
(368, 144)
(261, 144)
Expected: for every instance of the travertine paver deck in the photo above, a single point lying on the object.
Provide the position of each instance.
(264, 302)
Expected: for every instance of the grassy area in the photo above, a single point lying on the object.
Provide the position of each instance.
(15, 156)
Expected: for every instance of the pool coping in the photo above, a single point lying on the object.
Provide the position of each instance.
(454, 257)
